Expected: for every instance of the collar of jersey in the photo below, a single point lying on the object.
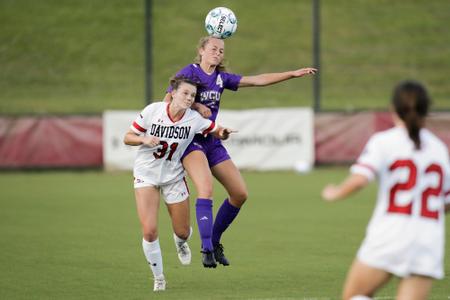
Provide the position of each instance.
(168, 114)
(203, 71)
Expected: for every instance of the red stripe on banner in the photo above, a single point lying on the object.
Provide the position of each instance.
(51, 142)
(136, 125)
(208, 130)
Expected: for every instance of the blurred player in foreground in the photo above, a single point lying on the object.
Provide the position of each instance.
(405, 236)
(206, 156)
(163, 131)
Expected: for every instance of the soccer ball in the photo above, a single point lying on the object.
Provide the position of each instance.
(221, 22)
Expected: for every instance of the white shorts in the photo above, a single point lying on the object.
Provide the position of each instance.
(173, 192)
(402, 260)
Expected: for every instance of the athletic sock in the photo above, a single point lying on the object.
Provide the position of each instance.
(203, 209)
(152, 252)
(225, 216)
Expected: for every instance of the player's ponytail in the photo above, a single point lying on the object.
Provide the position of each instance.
(411, 103)
(198, 59)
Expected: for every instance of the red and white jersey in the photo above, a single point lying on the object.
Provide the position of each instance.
(162, 164)
(414, 186)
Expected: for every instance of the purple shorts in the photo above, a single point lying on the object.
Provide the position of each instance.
(212, 147)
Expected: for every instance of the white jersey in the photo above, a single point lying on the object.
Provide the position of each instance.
(406, 233)
(162, 164)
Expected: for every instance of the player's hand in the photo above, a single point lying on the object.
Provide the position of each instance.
(224, 133)
(151, 141)
(304, 71)
(330, 193)
(203, 110)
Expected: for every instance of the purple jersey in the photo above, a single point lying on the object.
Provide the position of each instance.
(212, 86)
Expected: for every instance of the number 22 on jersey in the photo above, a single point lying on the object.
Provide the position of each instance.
(410, 184)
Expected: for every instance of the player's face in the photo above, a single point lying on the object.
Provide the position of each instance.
(184, 96)
(213, 51)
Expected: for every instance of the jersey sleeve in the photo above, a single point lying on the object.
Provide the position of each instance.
(231, 81)
(446, 183)
(186, 72)
(370, 160)
(141, 123)
(204, 126)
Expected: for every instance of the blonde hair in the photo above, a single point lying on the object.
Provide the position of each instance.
(201, 45)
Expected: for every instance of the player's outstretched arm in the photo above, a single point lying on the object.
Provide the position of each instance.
(222, 132)
(133, 139)
(272, 78)
(353, 183)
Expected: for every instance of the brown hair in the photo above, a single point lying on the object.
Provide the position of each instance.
(411, 103)
(201, 45)
(179, 79)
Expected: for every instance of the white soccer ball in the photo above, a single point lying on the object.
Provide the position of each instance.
(221, 22)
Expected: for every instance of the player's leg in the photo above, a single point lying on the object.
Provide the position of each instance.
(196, 164)
(363, 280)
(177, 202)
(230, 177)
(414, 288)
(147, 203)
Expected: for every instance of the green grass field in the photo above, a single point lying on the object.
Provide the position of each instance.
(88, 55)
(75, 235)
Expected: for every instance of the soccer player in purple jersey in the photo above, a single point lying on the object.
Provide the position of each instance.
(206, 156)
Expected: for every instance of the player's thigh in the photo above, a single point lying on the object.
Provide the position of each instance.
(363, 280)
(176, 196)
(414, 288)
(196, 164)
(229, 176)
(147, 204)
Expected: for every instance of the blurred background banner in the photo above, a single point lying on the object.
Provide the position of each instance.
(50, 142)
(268, 139)
(340, 137)
(117, 155)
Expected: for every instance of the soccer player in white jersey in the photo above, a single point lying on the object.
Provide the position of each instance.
(405, 236)
(163, 131)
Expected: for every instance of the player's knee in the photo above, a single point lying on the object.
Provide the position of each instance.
(183, 233)
(239, 198)
(150, 234)
(205, 192)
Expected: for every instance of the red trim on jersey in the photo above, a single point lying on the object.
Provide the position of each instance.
(208, 130)
(367, 167)
(184, 179)
(136, 125)
(170, 117)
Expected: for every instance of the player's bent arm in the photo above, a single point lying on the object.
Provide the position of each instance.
(202, 109)
(133, 139)
(353, 183)
(272, 78)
